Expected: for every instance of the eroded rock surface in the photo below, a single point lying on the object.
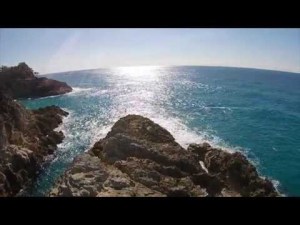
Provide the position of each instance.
(26, 138)
(140, 158)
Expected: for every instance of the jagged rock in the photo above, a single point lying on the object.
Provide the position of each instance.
(91, 177)
(20, 82)
(26, 138)
(214, 185)
(199, 149)
(140, 158)
(234, 170)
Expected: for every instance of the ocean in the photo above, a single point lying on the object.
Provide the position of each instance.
(253, 111)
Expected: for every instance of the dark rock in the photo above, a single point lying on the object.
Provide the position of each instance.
(91, 177)
(3, 183)
(141, 128)
(12, 182)
(212, 183)
(51, 149)
(199, 150)
(20, 82)
(140, 158)
(238, 173)
(26, 139)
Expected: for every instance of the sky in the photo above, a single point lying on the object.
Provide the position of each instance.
(58, 50)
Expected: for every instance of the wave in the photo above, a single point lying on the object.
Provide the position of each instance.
(89, 130)
(77, 90)
(94, 130)
(39, 98)
(186, 136)
(98, 134)
(225, 107)
(66, 122)
(277, 186)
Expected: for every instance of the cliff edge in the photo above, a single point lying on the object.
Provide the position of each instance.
(27, 137)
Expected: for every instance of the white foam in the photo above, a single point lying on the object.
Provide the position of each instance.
(216, 107)
(277, 184)
(64, 127)
(141, 102)
(77, 90)
(51, 96)
(182, 134)
(186, 136)
(65, 120)
(203, 166)
(97, 134)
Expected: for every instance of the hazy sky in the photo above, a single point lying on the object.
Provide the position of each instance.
(55, 50)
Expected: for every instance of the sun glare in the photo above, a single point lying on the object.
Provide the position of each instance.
(139, 72)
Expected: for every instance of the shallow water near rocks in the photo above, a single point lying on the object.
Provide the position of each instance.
(249, 110)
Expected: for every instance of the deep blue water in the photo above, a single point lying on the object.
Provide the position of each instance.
(249, 110)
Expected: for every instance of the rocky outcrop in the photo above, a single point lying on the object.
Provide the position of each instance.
(235, 172)
(140, 158)
(20, 82)
(27, 137)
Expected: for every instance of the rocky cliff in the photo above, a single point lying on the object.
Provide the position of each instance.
(140, 158)
(20, 82)
(27, 137)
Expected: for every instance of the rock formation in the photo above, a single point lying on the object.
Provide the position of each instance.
(140, 158)
(26, 138)
(20, 82)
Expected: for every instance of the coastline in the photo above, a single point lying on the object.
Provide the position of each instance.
(136, 142)
(92, 117)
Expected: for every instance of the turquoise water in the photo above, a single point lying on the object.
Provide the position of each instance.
(249, 110)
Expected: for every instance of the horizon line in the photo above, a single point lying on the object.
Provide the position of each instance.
(99, 68)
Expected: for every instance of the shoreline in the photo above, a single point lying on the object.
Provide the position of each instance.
(84, 162)
(177, 124)
(227, 148)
